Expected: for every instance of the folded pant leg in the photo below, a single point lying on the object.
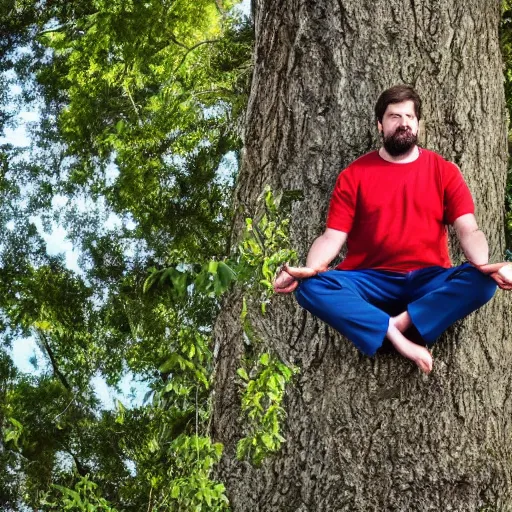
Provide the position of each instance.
(450, 295)
(340, 299)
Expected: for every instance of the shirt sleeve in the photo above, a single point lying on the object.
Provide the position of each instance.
(457, 197)
(342, 207)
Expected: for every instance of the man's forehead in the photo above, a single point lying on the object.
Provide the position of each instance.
(402, 107)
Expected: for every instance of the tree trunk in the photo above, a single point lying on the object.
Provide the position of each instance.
(367, 434)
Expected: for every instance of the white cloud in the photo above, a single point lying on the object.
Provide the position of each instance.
(28, 117)
(244, 7)
(113, 222)
(56, 243)
(111, 173)
(24, 349)
(15, 136)
(59, 201)
(132, 392)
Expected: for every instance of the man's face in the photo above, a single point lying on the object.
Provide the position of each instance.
(399, 128)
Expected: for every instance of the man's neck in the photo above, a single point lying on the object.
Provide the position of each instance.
(410, 156)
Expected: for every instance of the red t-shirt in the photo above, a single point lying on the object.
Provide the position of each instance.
(396, 214)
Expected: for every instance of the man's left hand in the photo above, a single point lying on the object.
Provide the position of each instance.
(500, 272)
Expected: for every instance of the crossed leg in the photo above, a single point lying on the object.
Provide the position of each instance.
(341, 299)
(439, 298)
(351, 302)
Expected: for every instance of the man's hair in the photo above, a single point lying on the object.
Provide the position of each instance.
(397, 94)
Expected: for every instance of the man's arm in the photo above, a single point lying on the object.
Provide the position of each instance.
(324, 249)
(472, 240)
(474, 246)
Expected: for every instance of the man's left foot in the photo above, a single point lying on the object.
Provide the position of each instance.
(416, 353)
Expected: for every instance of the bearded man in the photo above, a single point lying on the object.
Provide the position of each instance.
(392, 208)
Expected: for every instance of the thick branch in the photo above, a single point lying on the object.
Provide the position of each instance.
(55, 366)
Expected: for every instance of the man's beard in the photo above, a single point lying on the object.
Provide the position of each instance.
(399, 142)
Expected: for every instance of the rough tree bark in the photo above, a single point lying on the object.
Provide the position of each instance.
(362, 433)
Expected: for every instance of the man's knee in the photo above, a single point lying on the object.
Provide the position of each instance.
(487, 290)
(307, 291)
(484, 287)
(320, 292)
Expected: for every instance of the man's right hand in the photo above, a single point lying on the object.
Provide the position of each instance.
(324, 249)
(287, 280)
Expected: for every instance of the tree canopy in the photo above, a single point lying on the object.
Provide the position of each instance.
(134, 153)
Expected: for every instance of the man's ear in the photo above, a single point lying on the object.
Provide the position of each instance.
(379, 126)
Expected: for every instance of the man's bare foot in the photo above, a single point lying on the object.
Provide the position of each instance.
(402, 321)
(416, 353)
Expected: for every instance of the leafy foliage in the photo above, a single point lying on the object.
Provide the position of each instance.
(191, 487)
(261, 404)
(265, 244)
(264, 247)
(82, 498)
(262, 250)
(134, 153)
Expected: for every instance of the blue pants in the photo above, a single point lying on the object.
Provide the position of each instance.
(359, 303)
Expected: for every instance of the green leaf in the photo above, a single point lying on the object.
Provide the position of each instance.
(243, 314)
(213, 266)
(151, 280)
(243, 374)
(264, 359)
(226, 274)
(267, 441)
(179, 281)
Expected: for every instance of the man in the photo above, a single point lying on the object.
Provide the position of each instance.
(391, 207)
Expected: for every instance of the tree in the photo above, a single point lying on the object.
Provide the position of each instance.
(371, 434)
